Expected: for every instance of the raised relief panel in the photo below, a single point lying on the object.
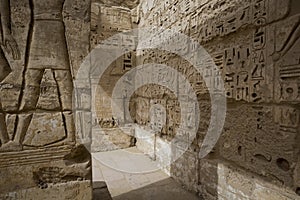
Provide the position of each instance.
(9, 94)
(242, 90)
(259, 58)
(10, 87)
(52, 62)
(258, 71)
(39, 129)
(230, 58)
(10, 122)
(259, 9)
(287, 60)
(289, 91)
(244, 16)
(244, 68)
(283, 31)
(9, 51)
(51, 132)
(259, 39)
(48, 98)
(237, 85)
(287, 117)
(230, 25)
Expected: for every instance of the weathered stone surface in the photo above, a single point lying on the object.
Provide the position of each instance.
(108, 19)
(108, 139)
(267, 143)
(71, 190)
(237, 184)
(42, 46)
(34, 168)
(51, 131)
(255, 45)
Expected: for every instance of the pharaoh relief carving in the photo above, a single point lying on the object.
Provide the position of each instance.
(44, 116)
(9, 45)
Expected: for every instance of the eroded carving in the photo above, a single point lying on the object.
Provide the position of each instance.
(11, 46)
(37, 66)
(256, 48)
(47, 75)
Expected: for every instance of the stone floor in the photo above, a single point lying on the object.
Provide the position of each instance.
(131, 175)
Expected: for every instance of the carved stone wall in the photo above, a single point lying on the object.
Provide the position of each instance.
(42, 46)
(109, 19)
(255, 43)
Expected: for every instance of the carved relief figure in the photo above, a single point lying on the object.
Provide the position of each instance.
(289, 43)
(10, 45)
(46, 50)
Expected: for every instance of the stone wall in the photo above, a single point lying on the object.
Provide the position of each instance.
(42, 46)
(109, 19)
(255, 44)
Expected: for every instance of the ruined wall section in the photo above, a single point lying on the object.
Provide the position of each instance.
(255, 44)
